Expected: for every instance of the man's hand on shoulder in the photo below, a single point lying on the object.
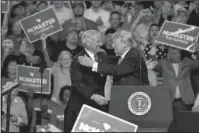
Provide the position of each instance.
(85, 61)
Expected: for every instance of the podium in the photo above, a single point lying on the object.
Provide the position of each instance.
(148, 107)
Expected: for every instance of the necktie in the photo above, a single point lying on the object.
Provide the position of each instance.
(119, 61)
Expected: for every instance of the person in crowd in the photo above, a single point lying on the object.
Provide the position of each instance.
(64, 95)
(87, 86)
(154, 51)
(30, 7)
(79, 21)
(18, 109)
(41, 5)
(18, 113)
(176, 75)
(7, 48)
(129, 10)
(157, 9)
(98, 15)
(115, 20)
(166, 12)
(108, 6)
(141, 31)
(72, 41)
(193, 13)
(109, 42)
(15, 32)
(33, 56)
(70, 45)
(18, 10)
(63, 13)
(61, 74)
(9, 68)
(181, 16)
(118, 5)
(130, 68)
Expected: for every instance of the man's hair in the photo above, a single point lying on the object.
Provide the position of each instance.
(110, 31)
(124, 35)
(89, 34)
(154, 25)
(115, 12)
(62, 92)
(8, 59)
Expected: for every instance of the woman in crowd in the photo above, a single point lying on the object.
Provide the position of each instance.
(154, 51)
(60, 70)
(61, 74)
(18, 109)
(18, 113)
(166, 12)
(64, 95)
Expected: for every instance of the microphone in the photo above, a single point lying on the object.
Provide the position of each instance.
(10, 89)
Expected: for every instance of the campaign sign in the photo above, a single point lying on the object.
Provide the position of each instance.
(30, 77)
(5, 6)
(178, 35)
(44, 22)
(93, 120)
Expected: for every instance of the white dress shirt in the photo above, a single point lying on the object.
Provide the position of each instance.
(176, 69)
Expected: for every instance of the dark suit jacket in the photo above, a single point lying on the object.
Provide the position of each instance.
(131, 71)
(85, 83)
(182, 80)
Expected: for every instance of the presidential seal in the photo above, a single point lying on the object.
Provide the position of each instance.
(139, 103)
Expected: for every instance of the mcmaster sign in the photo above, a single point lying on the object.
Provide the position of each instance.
(179, 35)
(44, 22)
(30, 77)
(93, 120)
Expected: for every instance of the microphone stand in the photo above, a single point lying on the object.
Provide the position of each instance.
(41, 70)
(8, 112)
(8, 93)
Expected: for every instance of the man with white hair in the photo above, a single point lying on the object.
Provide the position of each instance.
(130, 69)
(87, 86)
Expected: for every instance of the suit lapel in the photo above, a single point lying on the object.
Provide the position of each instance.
(170, 70)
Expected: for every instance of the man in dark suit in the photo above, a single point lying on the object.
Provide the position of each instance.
(87, 86)
(130, 69)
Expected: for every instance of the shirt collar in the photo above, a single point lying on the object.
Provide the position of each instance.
(92, 56)
(124, 54)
